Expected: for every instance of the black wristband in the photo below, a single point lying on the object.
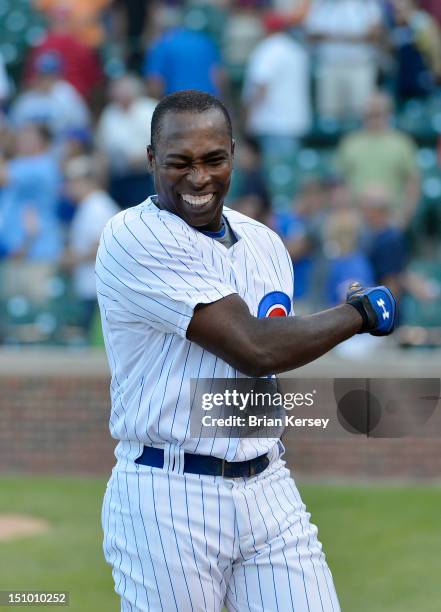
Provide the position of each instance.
(363, 307)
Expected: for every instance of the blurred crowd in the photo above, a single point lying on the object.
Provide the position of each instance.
(337, 112)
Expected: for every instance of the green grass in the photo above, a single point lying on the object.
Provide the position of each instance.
(69, 557)
(383, 543)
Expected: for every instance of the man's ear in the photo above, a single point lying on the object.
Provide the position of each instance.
(150, 159)
(233, 147)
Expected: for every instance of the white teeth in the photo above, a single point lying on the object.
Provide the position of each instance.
(197, 200)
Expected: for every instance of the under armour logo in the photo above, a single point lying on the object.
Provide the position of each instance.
(382, 305)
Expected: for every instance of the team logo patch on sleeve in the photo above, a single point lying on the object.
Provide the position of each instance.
(274, 304)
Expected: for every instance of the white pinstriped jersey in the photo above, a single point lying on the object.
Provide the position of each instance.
(152, 269)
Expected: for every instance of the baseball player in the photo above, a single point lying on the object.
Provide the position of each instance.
(190, 289)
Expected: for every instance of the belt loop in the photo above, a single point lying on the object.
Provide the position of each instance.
(169, 459)
(179, 460)
(173, 458)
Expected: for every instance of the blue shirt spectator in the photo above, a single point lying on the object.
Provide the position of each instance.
(182, 59)
(347, 262)
(29, 197)
(349, 267)
(291, 227)
(387, 253)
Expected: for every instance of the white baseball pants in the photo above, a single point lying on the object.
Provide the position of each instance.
(185, 542)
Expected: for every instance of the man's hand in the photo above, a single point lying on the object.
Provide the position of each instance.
(377, 307)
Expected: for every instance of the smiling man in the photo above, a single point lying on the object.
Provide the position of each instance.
(191, 157)
(190, 289)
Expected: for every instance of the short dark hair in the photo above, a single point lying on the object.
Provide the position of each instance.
(186, 101)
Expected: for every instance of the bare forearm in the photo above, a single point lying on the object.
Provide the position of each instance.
(295, 341)
(289, 343)
(258, 347)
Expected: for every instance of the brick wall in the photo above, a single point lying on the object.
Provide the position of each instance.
(358, 457)
(55, 424)
(59, 424)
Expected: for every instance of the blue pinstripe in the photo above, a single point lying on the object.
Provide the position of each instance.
(148, 545)
(170, 367)
(192, 403)
(160, 261)
(177, 545)
(192, 545)
(309, 537)
(137, 550)
(140, 265)
(160, 376)
(297, 550)
(179, 393)
(162, 545)
(200, 236)
(269, 544)
(206, 542)
(254, 545)
(183, 314)
(138, 305)
(192, 271)
(125, 540)
(284, 542)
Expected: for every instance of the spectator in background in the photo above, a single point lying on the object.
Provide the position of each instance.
(302, 232)
(77, 143)
(182, 58)
(121, 136)
(243, 31)
(276, 91)
(94, 209)
(83, 17)
(380, 155)
(416, 41)
(81, 63)
(383, 242)
(347, 261)
(132, 17)
(50, 100)
(28, 199)
(346, 33)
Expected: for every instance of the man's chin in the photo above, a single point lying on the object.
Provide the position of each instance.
(204, 217)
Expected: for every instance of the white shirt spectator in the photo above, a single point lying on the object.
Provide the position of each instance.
(344, 18)
(90, 218)
(347, 61)
(280, 65)
(61, 108)
(122, 134)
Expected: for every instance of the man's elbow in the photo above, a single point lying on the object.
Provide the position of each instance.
(256, 362)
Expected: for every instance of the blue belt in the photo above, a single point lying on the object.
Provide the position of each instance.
(206, 464)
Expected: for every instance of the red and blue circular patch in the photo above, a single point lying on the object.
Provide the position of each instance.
(274, 304)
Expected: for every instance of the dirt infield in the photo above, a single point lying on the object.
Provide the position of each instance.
(14, 526)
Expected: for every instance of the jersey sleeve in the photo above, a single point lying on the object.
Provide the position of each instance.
(153, 272)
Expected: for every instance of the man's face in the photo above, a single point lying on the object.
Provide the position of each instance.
(192, 166)
(377, 114)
